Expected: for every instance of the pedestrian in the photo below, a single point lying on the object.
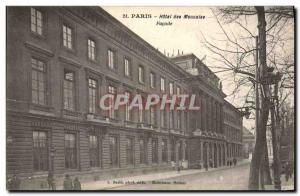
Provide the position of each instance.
(206, 165)
(9, 183)
(51, 183)
(68, 185)
(210, 163)
(178, 166)
(77, 184)
(286, 171)
(291, 169)
(234, 162)
(15, 183)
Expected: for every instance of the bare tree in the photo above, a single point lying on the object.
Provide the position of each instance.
(236, 54)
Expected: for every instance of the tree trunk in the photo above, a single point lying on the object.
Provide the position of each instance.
(266, 165)
(259, 145)
(276, 162)
(265, 105)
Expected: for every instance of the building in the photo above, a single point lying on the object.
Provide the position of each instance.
(207, 143)
(233, 128)
(61, 60)
(248, 143)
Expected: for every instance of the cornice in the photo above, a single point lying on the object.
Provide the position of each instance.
(37, 48)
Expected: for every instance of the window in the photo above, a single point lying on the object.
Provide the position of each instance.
(36, 21)
(92, 95)
(171, 88)
(164, 149)
(162, 84)
(111, 59)
(127, 67)
(129, 151)
(186, 120)
(40, 151)
(94, 151)
(91, 49)
(154, 151)
(163, 121)
(70, 151)
(173, 150)
(152, 80)
(152, 115)
(114, 151)
(67, 37)
(143, 151)
(178, 120)
(180, 153)
(69, 95)
(141, 74)
(111, 112)
(38, 82)
(171, 121)
(127, 111)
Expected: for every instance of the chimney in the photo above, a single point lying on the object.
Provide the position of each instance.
(178, 53)
(181, 52)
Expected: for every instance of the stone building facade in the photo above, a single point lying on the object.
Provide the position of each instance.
(61, 60)
(233, 129)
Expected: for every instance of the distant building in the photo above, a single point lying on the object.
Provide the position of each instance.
(233, 129)
(248, 143)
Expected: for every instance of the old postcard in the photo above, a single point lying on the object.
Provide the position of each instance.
(150, 98)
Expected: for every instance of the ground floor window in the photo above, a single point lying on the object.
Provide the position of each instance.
(94, 150)
(180, 150)
(173, 150)
(129, 150)
(164, 149)
(143, 151)
(70, 151)
(154, 151)
(114, 151)
(40, 151)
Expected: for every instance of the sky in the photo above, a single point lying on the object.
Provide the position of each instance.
(185, 35)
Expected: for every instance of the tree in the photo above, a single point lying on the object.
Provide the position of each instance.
(237, 57)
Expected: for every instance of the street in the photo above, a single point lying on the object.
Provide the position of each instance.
(233, 178)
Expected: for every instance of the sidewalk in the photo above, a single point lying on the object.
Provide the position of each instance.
(142, 179)
(287, 185)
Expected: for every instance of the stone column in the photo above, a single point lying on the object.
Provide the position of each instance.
(204, 120)
(225, 153)
(207, 153)
(200, 111)
(221, 154)
(201, 154)
(212, 153)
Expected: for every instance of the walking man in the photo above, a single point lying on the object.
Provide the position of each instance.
(68, 185)
(77, 184)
